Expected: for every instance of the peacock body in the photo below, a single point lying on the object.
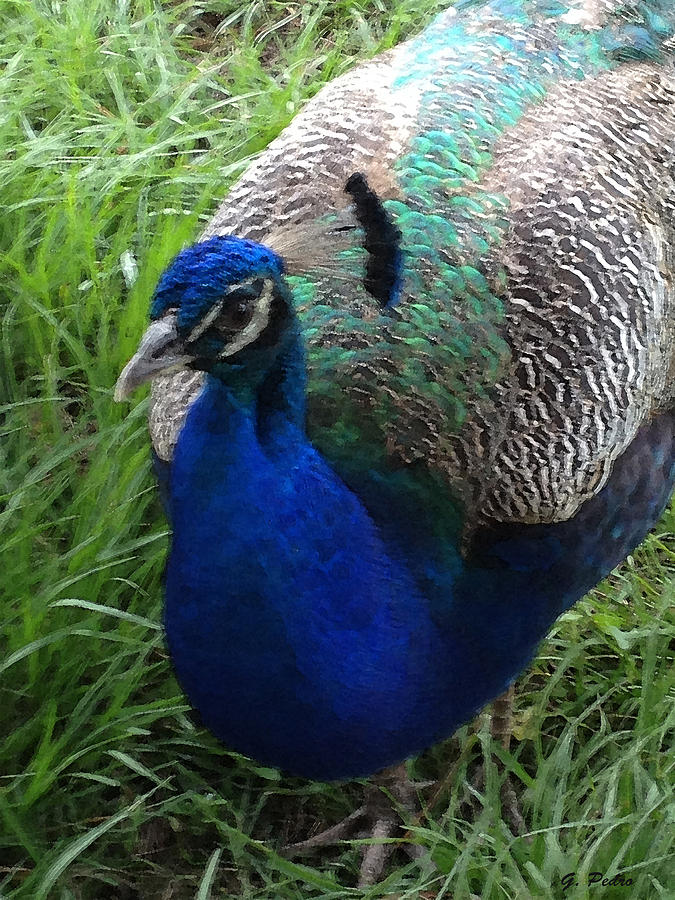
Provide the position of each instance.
(409, 430)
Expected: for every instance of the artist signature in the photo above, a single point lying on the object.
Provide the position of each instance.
(570, 880)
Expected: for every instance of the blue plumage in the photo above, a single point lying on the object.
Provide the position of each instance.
(305, 571)
(200, 275)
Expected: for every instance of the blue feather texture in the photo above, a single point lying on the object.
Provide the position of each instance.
(200, 275)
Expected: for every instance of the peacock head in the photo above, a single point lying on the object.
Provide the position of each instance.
(221, 306)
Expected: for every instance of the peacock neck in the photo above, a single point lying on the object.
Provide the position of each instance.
(245, 469)
(291, 601)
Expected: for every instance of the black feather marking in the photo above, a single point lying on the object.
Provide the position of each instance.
(382, 241)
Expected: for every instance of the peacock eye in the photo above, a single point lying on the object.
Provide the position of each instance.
(238, 307)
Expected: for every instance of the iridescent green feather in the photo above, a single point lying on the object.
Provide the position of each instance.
(443, 344)
(397, 384)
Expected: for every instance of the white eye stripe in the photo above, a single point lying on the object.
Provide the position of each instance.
(257, 324)
(204, 323)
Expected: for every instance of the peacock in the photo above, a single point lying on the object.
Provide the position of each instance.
(413, 388)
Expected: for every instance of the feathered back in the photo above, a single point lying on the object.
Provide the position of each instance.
(524, 149)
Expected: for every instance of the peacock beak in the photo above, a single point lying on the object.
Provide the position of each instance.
(159, 352)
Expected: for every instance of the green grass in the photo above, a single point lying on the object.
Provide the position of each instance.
(121, 126)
